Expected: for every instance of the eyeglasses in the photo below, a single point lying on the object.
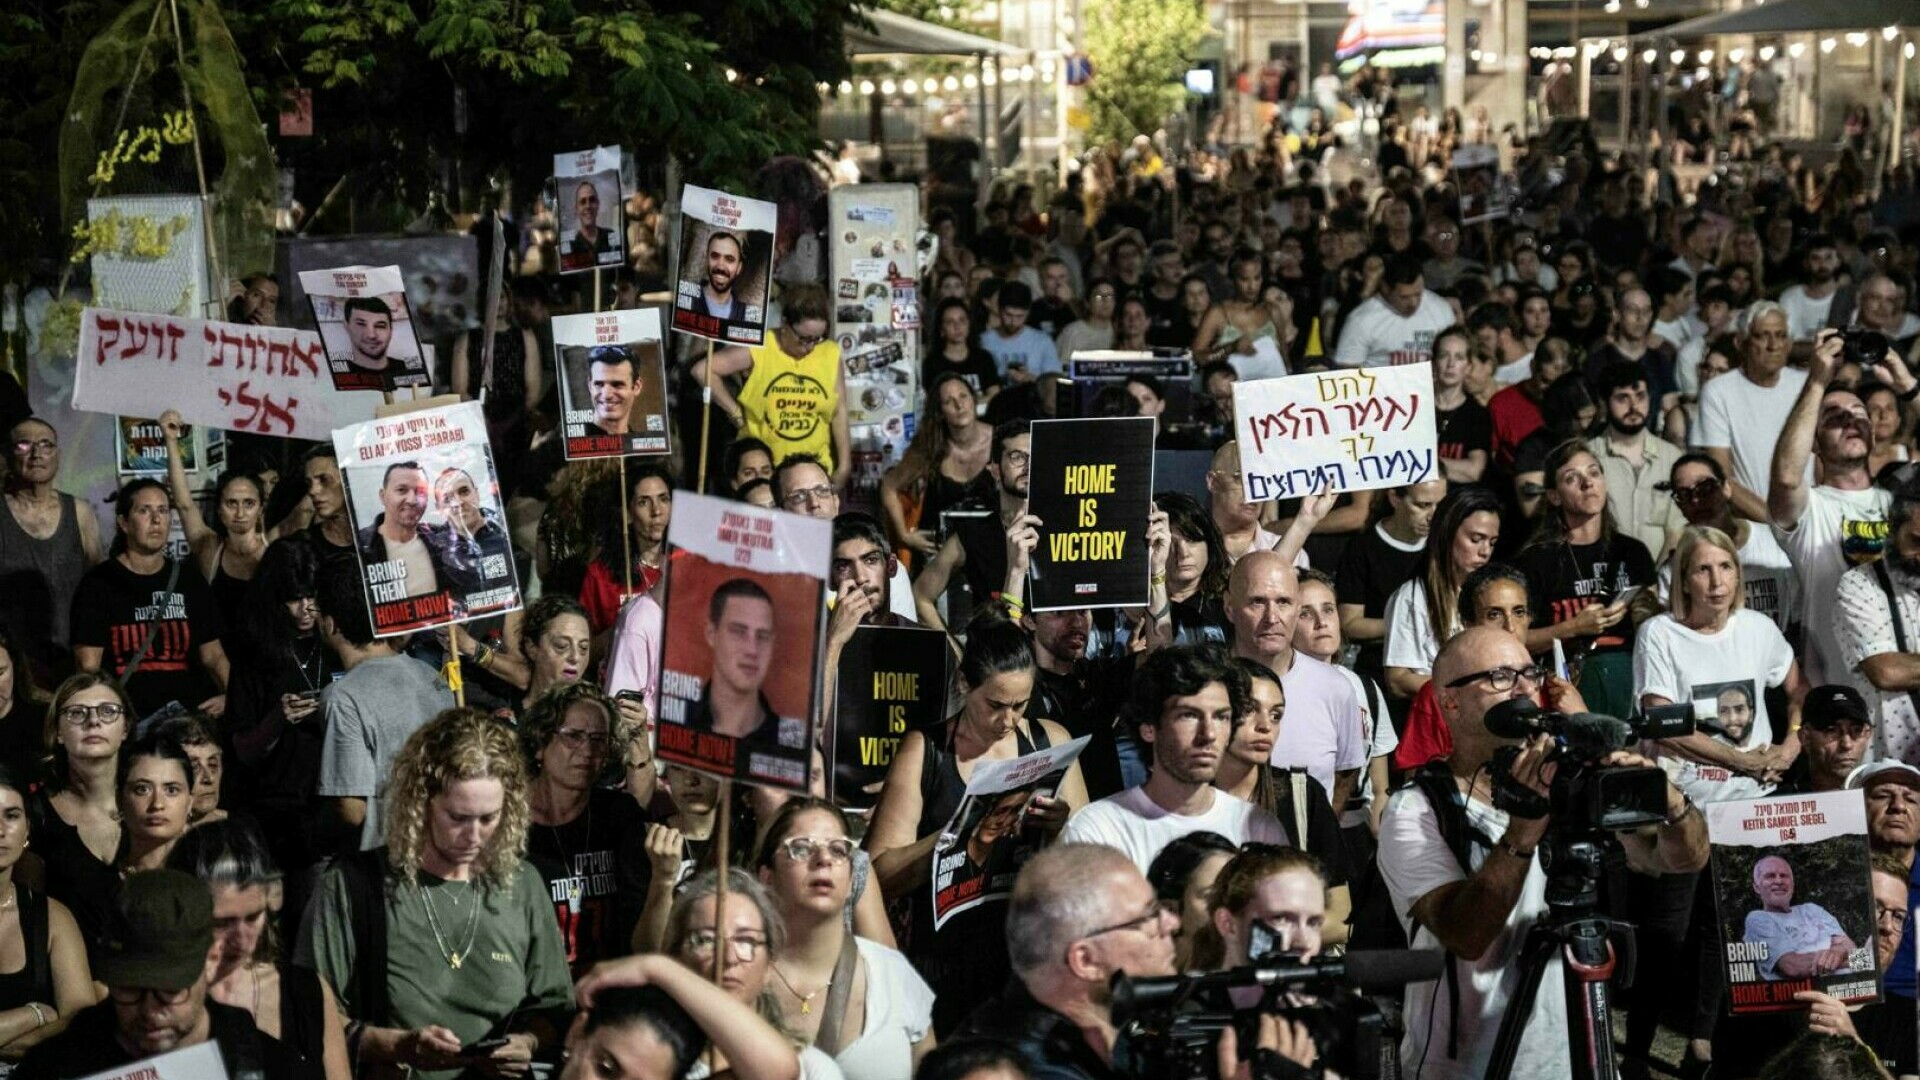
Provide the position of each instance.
(103, 715)
(1016, 458)
(804, 849)
(1893, 915)
(1151, 922)
(806, 341)
(31, 446)
(809, 496)
(744, 947)
(1705, 489)
(133, 995)
(576, 738)
(1501, 679)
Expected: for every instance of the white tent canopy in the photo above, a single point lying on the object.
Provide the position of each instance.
(900, 35)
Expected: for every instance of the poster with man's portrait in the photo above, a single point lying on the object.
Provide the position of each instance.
(366, 328)
(591, 210)
(981, 850)
(1795, 900)
(726, 266)
(429, 525)
(745, 603)
(612, 372)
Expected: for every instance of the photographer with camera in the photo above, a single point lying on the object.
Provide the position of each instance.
(1465, 875)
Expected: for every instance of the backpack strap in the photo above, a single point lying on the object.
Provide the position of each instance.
(1435, 781)
(365, 875)
(1297, 780)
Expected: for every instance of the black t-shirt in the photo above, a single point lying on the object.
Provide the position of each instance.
(1167, 325)
(978, 369)
(113, 610)
(1050, 316)
(597, 873)
(1088, 701)
(1464, 430)
(1564, 579)
(1370, 569)
(1323, 838)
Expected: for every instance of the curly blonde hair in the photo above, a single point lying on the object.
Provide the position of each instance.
(458, 744)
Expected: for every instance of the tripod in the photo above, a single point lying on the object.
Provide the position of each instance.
(1583, 939)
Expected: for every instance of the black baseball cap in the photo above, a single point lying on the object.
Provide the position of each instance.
(1826, 706)
(161, 932)
(1015, 295)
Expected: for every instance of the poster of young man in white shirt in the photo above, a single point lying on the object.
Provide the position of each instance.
(611, 369)
(1795, 900)
(726, 266)
(365, 327)
(745, 602)
(419, 568)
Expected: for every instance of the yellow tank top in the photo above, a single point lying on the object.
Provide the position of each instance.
(789, 404)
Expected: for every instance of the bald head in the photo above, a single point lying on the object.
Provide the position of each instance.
(1227, 458)
(1469, 653)
(1262, 601)
(1477, 648)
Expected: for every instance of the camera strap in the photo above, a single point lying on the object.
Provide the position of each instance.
(1899, 624)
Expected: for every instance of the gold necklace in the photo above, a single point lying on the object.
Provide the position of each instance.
(806, 1000)
(454, 956)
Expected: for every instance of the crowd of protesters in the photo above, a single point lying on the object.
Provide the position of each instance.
(1674, 449)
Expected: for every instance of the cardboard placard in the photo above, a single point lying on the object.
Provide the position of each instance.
(1090, 482)
(260, 379)
(429, 524)
(366, 327)
(1336, 430)
(201, 1061)
(981, 851)
(1476, 176)
(745, 618)
(726, 266)
(892, 680)
(612, 373)
(1795, 900)
(592, 213)
(140, 447)
(1095, 370)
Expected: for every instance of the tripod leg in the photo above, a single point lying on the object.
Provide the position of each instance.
(1587, 965)
(1535, 951)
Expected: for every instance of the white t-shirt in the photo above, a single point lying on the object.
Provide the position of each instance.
(1770, 582)
(1747, 419)
(899, 1014)
(1411, 642)
(1139, 828)
(1415, 860)
(1838, 529)
(1863, 627)
(1682, 664)
(1514, 371)
(1381, 741)
(1805, 315)
(1322, 730)
(1375, 335)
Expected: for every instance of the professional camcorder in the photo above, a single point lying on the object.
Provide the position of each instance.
(1169, 1027)
(1585, 795)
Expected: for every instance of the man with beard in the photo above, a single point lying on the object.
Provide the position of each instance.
(1631, 343)
(589, 241)
(1876, 612)
(1325, 733)
(1398, 325)
(1635, 462)
(474, 548)
(977, 546)
(1841, 522)
(1084, 695)
(258, 303)
(398, 535)
(725, 254)
(369, 325)
(861, 572)
(1183, 707)
(1808, 304)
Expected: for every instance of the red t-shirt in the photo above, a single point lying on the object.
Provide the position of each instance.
(1515, 416)
(1427, 736)
(602, 596)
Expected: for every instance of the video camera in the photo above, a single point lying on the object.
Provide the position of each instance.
(1585, 795)
(1168, 1027)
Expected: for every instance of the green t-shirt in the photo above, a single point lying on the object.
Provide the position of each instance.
(516, 961)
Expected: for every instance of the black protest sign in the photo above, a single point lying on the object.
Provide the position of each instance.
(892, 680)
(1090, 482)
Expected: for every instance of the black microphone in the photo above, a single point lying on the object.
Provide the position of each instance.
(1374, 971)
(1514, 718)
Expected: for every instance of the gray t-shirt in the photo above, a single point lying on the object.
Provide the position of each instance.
(370, 712)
